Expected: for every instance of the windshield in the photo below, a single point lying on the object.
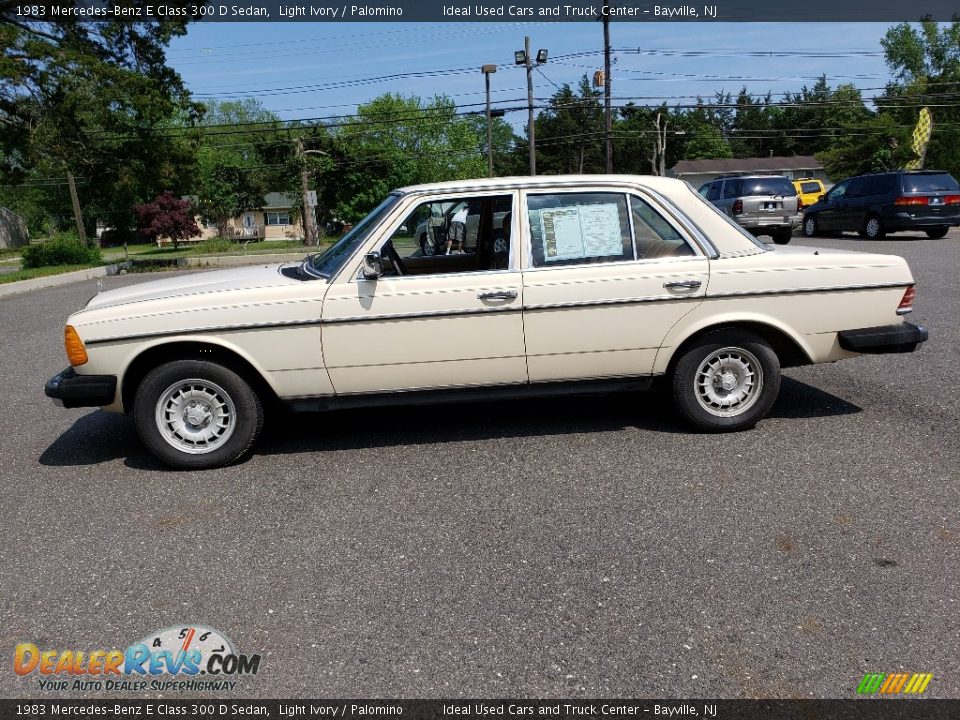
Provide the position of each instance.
(328, 262)
(929, 182)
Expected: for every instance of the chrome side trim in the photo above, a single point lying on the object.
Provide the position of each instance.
(420, 315)
(212, 328)
(797, 291)
(618, 301)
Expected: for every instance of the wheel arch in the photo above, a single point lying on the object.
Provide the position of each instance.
(790, 349)
(205, 349)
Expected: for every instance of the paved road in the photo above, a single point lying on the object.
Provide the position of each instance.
(576, 547)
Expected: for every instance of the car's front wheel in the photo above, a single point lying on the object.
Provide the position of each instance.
(810, 228)
(194, 414)
(726, 381)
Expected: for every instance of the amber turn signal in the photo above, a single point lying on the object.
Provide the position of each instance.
(76, 352)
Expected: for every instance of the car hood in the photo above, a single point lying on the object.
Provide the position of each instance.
(245, 278)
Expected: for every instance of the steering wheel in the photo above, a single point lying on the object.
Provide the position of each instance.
(391, 252)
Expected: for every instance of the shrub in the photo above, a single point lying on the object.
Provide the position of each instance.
(61, 249)
(215, 245)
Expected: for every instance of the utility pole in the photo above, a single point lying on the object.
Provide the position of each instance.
(487, 71)
(532, 130)
(608, 114)
(76, 207)
(309, 221)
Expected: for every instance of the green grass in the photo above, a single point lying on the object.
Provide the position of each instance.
(41, 272)
(213, 246)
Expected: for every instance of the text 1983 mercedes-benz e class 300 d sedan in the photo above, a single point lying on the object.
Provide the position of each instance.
(539, 285)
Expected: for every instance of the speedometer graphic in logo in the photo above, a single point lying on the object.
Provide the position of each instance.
(198, 642)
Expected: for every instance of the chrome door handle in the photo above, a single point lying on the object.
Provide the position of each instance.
(498, 295)
(683, 284)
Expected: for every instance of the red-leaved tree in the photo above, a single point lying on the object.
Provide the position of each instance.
(167, 216)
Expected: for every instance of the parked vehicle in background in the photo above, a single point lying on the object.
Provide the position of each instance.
(762, 204)
(808, 190)
(594, 283)
(880, 203)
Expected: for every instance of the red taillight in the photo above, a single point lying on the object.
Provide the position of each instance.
(952, 200)
(921, 200)
(737, 207)
(906, 304)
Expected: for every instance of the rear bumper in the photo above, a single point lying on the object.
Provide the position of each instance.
(72, 390)
(902, 338)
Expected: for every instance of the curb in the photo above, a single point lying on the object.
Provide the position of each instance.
(22, 286)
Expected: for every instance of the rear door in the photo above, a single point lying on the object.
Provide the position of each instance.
(854, 204)
(597, 304)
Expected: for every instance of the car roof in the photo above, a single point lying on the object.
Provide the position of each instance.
(654, 182)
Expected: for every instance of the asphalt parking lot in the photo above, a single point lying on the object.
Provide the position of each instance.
(587, 547)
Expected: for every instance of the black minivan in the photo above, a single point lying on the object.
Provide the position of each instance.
(881, 203)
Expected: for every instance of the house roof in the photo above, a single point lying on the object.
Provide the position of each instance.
(754, 164)
(277, 201)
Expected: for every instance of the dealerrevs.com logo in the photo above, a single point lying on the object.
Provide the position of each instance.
(174, 658)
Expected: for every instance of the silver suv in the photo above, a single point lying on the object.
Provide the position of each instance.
(762, 204)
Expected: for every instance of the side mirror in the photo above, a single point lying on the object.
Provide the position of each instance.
(822, 197)
(372, 266)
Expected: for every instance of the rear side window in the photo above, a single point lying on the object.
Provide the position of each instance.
(656, 238)
(579, 228)
(714, 192)
(767, 186)
(810, 187)
(732, 188)
(929, 182)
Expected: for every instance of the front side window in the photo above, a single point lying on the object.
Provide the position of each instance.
(452, 235)
(838, 191)
(579, 228)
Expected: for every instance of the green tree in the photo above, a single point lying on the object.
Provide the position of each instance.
(97, 100)
(397, 140)
(570, 131)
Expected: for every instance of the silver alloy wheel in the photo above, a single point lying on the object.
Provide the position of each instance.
(500, 246)
(729, 382)
(873, 227)
(195, 416)
(809, 227)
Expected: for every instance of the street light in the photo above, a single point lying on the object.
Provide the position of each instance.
(523, 57)
(487, 71)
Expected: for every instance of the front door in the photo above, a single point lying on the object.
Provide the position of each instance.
(450, 318)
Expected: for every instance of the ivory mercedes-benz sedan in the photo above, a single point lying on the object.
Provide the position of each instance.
(559, 285)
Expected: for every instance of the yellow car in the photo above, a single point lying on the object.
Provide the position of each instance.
(809, 191)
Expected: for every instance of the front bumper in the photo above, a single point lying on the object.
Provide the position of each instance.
(902, 338)
(72, 390)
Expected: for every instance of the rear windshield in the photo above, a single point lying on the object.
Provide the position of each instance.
(929, 182)
(810, 187)
(768, 186)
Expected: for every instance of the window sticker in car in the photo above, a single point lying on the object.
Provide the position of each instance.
(581, 231)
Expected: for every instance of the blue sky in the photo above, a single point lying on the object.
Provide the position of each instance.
(310, 70)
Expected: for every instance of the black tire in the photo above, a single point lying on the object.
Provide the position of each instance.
(873, 228)
(742, 354)
(782, 237)
(937, 232)
(810, 226)
(426, 248)
(239, 408)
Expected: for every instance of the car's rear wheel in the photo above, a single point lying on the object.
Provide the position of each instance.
(937, 232)
(782, 237)
(810, 228)
(194, 414)
(726, 381)
(873, 228)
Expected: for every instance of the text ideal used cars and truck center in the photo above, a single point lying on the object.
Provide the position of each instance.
(553, 285)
